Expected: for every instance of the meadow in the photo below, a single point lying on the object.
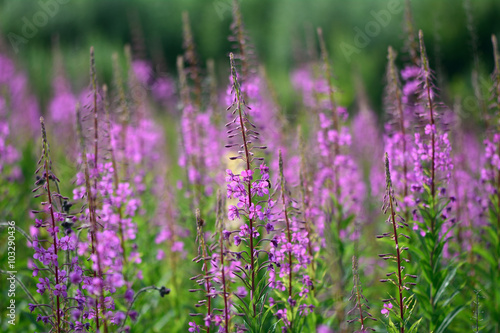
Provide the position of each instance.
(195, 200)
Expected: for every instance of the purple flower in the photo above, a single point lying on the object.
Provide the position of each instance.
(387, 307)
(43, 285)
(193, 327)
(237, 240)
(255, 211)
(247, 175)
(233, 212)
(60, 290)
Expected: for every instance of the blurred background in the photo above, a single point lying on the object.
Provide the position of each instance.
(279, 30)
(283, 32)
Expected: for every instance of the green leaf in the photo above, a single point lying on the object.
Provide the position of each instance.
(414, 327)
(391, 328)
(445, 284)
(449, 318)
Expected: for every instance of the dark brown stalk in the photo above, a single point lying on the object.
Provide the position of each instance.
(248, 167)
(428, 87)
(393, 76)
(51, 209)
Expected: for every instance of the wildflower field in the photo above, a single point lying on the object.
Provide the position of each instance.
(152, 198)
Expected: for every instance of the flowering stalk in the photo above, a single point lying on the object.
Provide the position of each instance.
(331, 96)
(288, 233)
(253, 204)
(360, 301)
(496, 107)
(48, 175)
(432, 154)
(411, 44)
(93, 220)
(429, 98)
(191, 58)
(116, 180)
(190, 134)
(490, 178)
(306, 198)
(247, 158)
(397, 222)
(222, 253)
(337, 184)
(395, 96)
(289, 254)
(204, 280)
(239, 36)
(94, 111)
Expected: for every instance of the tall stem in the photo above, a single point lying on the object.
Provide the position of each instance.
(249, 185)
(220, 223)
(116, 179)
(200, 222)
(398, 252)
(428, 90)
(53, 220)
(399, 105)
(288, 232)
(333, 103)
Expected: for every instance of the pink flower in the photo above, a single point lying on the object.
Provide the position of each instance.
(387, 307)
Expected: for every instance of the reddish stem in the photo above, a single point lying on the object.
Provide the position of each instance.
(398, 251)
(249, 185)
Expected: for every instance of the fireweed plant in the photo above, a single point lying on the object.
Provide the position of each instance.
(338, 188)
(432, 169)
(253, 209)
(53, 272)
(290, 258)
(402, 303)
(360, 306)
(490, 176)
